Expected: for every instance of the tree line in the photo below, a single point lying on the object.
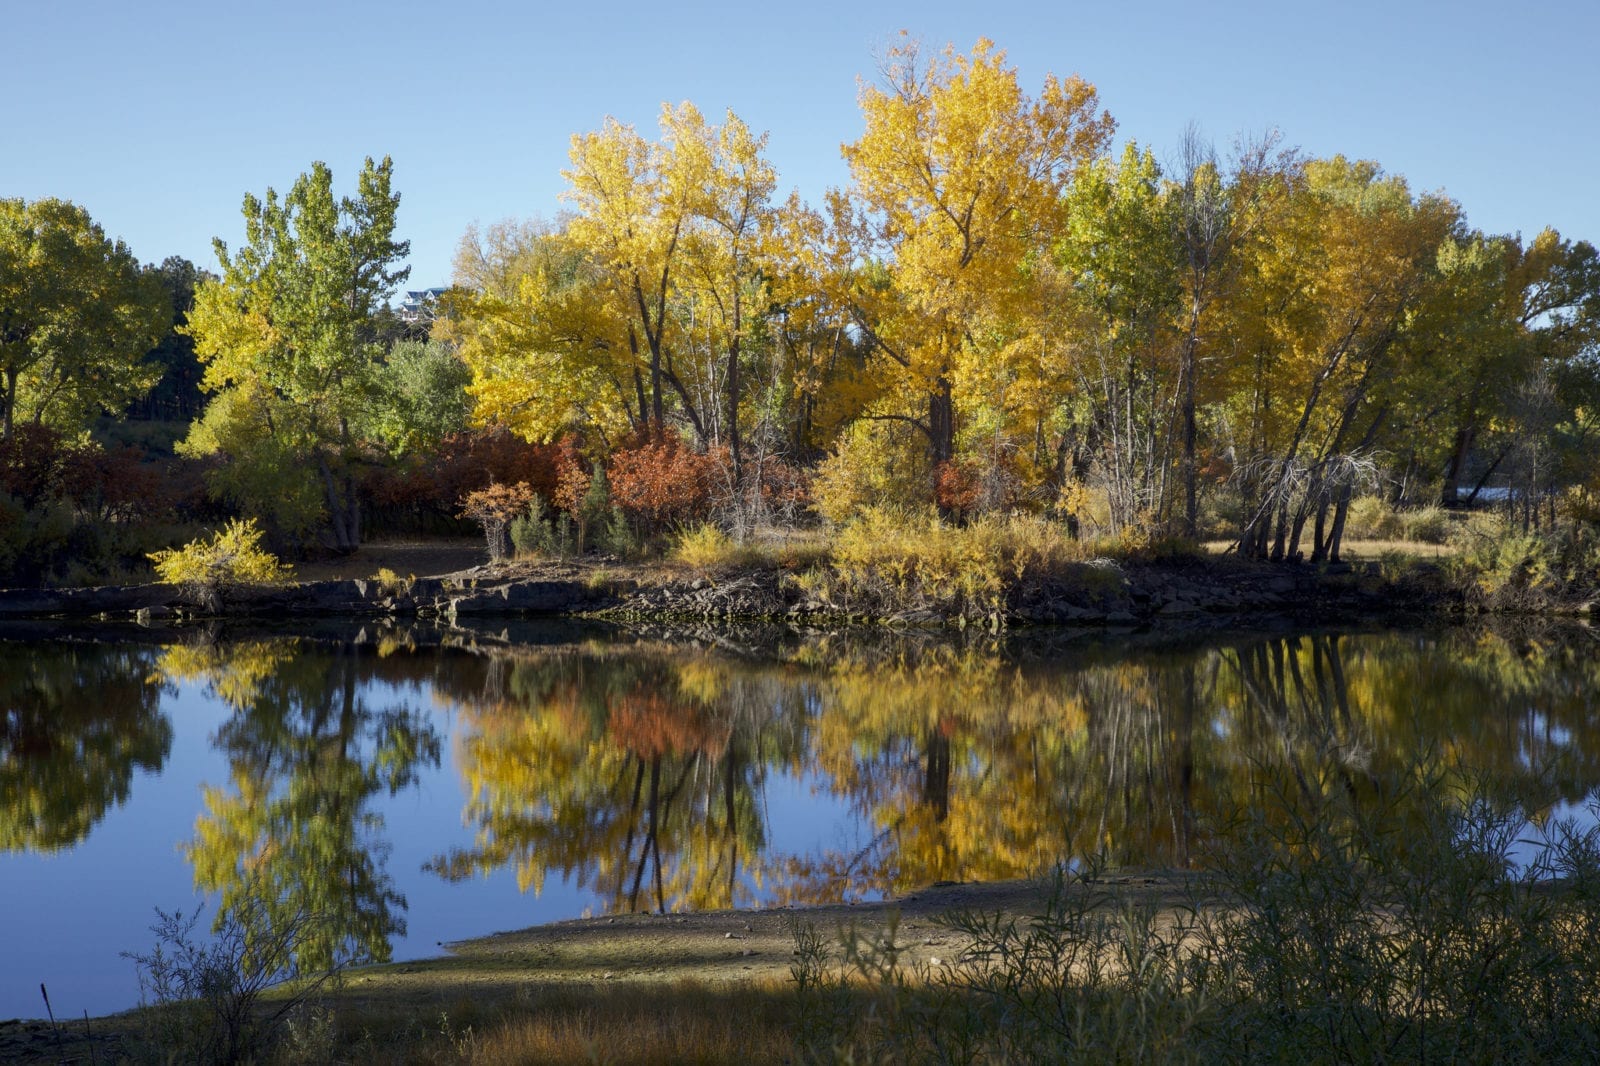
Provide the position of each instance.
(998, 313)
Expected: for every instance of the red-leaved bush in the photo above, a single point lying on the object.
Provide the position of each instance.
(663, 483)
(424, 487)
(956, 489)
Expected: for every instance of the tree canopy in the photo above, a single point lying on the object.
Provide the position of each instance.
(77, 315)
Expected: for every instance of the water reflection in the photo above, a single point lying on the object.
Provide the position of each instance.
(293, 835)
(645, 771)
(637, 773)
(640, 772)
(76, 721)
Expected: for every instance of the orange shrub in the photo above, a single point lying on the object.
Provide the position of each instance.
(493, 508)
(663, 483)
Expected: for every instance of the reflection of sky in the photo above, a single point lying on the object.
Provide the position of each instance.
(64, 917)
(1542, 843)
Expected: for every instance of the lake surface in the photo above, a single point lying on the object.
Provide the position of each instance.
(413, 795)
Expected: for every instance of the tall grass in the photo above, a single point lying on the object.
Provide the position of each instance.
(1343, 917)
(887, 561)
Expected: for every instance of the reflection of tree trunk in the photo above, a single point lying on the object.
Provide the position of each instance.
(652, 807)
(633, 824)
(729, 779)
(1185, 826)
(936, 778)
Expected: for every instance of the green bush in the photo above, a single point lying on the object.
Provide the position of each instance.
(541, 533)
(1373, 518)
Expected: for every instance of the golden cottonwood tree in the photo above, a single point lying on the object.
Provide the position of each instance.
(959, 176)
(634, 203)
(1334, 288)
(530, 318)
(639, 309)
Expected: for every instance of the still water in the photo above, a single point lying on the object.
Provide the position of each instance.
(418, 792)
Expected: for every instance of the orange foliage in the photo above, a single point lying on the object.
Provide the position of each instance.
(463, 463)
(572, 479)
(649, 724)
(664, 482)
(956, 488)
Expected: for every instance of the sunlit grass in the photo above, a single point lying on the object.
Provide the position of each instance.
(1364, 551)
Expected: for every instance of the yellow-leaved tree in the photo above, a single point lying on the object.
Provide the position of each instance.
(959, 181)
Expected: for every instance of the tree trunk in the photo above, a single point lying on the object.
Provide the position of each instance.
(1191, 507)
(10, 402)
(733, 395)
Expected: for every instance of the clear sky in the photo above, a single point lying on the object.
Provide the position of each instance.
(158, 116)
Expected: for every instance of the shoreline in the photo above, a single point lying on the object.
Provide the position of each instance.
(1186, 592)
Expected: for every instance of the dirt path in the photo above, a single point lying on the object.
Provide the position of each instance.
(419, 558)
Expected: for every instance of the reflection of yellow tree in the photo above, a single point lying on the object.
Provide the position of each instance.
(76, 720)
(641, 773)
(639, 776)
(970, 767)
(307, 753)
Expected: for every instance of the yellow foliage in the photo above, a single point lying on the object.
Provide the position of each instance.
(233, 556)
(887, 557)
(875, 464)
(706, 547)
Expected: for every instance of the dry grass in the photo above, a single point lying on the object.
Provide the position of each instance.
(1366, 551)
(627, 1022)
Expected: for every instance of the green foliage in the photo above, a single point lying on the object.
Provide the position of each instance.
(292, 333)
(78, 731)
(1506, 567)
(542, 534)
(616, 534)
(260, 471)
(1374, 518)
(230, 558)
(77, 314)
(422, 396)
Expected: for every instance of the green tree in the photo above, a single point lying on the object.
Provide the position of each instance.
(292, 334)
(176, 393)
(422, 389)
(77, 316)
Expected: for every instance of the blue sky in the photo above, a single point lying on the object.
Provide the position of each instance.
(158, 117)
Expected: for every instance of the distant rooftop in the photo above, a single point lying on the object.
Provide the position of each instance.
(418, 304)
